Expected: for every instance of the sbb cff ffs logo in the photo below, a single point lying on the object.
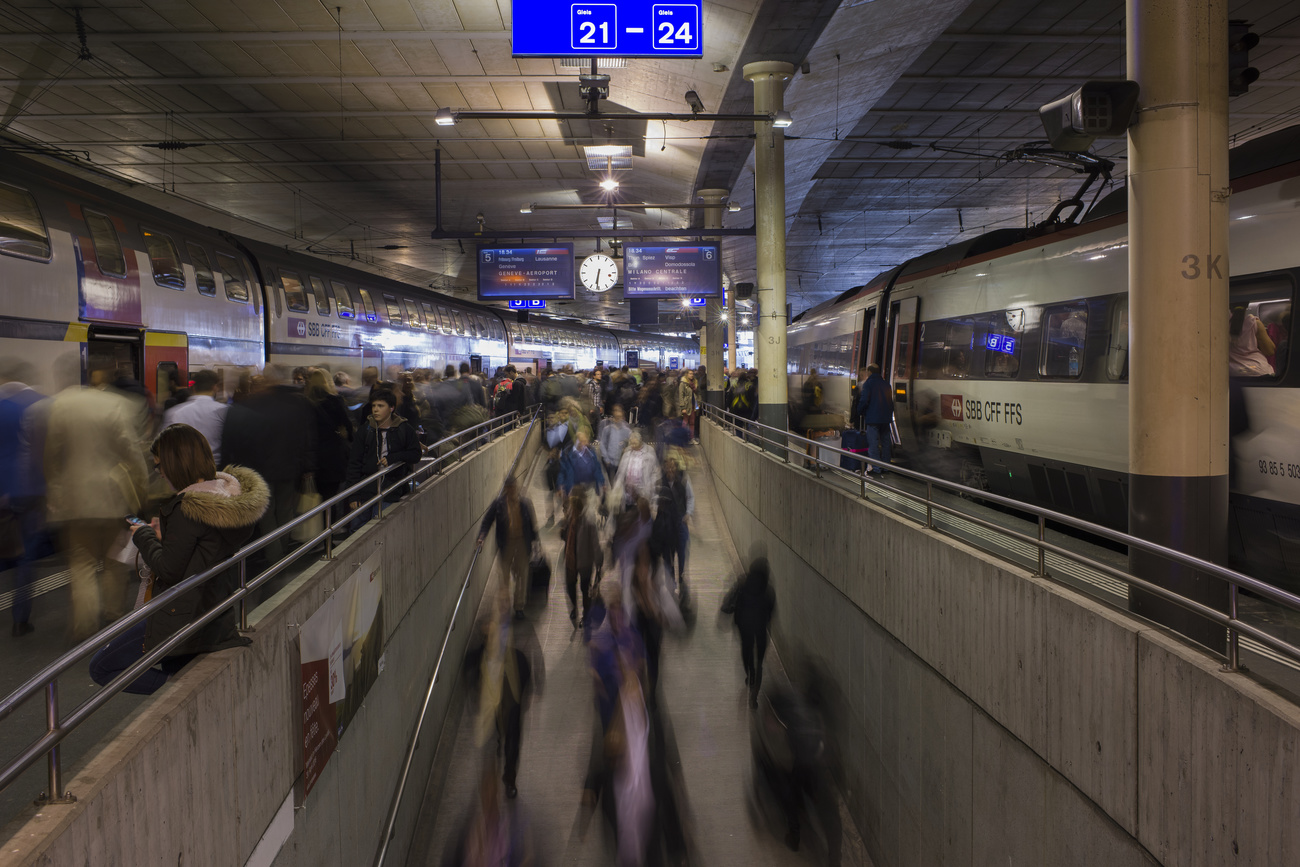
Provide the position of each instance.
(297, 327)
(950, 407)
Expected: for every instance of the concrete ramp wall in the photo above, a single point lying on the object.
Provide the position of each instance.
(987, 717)
(210, 766)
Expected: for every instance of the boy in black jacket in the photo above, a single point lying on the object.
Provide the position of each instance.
(384, 440)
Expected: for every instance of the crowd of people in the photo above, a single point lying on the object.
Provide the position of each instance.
(620, 503)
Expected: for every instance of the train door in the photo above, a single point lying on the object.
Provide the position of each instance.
(123, 346)
(166, 363)
(900, 367)
(864, 345)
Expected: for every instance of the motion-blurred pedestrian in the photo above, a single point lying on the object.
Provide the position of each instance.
(95, 474)
(751, 603)
(583, 555)
(22, 488)
(273, 433)
(516, 537)
(202, 411)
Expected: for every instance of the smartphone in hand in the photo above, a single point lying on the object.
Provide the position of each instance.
(135, 523)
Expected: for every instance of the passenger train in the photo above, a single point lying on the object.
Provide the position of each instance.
(1008, 359)
(84, 270)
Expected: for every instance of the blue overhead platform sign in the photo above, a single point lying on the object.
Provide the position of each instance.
(623, 28)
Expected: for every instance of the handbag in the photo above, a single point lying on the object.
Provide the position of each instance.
(539, 578)
(312, 527)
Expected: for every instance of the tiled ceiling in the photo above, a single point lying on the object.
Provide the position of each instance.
(313, 125)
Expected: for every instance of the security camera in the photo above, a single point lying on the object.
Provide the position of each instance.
(694, 101)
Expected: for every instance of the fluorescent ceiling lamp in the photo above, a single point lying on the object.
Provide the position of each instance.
(526, 209)
(445, 117)
(609, 185)
(782, 119)
(606, 157)
(733, 207)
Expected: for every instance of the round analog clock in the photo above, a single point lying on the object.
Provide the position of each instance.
(598, 273)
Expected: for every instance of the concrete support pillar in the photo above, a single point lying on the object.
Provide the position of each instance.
(713, 330)
(1178, 301)
(769, 78)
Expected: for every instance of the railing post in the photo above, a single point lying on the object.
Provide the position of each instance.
(1042, 553)
(329, 536)
(54, 793)
(379, 513)
(243, 600)
(929, 510)
(1234, 649)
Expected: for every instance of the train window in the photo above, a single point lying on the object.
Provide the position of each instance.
(430, 315)
(167, 268)
(294, 294)
(471, 327)
(343, 299)
(946, 347)
(1259, 329)
(108, 247)
(458, 322)
(395, 316)
(1065, 332)
(1002, 339)
(444, 320)
(367, 305)
(322, 295)
(482, 326)
(233, 277)
(22, 231)
(1117, 344)
(202, 269)
(413, 317)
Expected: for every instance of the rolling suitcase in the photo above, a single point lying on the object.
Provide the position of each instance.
(853, 441)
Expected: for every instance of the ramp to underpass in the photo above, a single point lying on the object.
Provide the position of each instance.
(702, 713)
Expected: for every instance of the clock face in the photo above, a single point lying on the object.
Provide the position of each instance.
(598, 273)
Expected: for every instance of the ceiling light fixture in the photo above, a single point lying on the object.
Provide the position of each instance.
(781, 119)
(609, 185)
(694, 101)
(526, 209)
(445, 117)
(733, 207)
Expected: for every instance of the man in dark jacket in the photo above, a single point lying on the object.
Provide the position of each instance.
(385, 440)
(516, 537)
(580, 466)
(751, 602)
(273, 432)
(876, 409)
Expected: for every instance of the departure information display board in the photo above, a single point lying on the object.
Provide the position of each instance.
(525, 273)
(623, 28)
(668, 272)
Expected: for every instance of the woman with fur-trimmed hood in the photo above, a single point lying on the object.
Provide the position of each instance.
(211, 517)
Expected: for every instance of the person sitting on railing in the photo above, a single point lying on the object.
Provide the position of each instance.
(211, 517)
(386, 439)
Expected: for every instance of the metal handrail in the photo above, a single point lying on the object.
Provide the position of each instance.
(1236, 580)
(390, 822)
(47, 678)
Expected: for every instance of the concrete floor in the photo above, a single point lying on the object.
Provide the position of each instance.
(703, 699)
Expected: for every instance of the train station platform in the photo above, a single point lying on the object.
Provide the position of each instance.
(974, 711)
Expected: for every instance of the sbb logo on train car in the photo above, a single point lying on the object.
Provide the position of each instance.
(955, 407)
(297, 327)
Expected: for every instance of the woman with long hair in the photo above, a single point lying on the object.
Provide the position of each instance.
(333, 432)
(210, 517)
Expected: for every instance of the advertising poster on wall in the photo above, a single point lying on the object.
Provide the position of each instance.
(341, 649)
